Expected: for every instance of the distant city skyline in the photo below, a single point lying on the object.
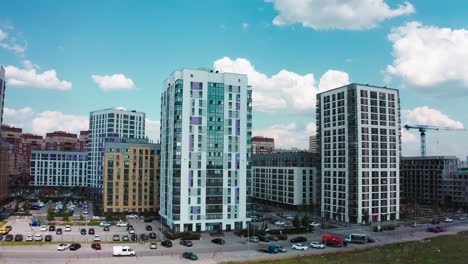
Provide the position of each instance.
(59, 66)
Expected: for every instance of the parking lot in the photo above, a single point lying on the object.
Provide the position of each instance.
(42, 213)
(21, 226)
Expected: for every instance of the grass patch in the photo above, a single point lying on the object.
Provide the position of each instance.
(442, 249)
(2, 223)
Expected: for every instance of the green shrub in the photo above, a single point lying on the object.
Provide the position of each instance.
(183, 235)
(300, 230)
(94, 223)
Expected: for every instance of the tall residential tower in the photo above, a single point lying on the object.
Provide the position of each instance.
(205, 150)
(109, 125)
(359, 141)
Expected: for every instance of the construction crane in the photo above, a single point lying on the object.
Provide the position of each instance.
(422, 130)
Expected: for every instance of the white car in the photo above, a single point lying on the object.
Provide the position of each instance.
(415, 224)
(462, 218)
(29, 238)
(67, 228)
(253, 239)
(62, 247)
(124, 224)
(97, 238)
(289, 217)
(317, 244)
(279, 223)
(44, 228)
(448, 220)
(38, 237)
(85, 211)
(299, 247)
(131, 231)
(315, 224)
(132, 216)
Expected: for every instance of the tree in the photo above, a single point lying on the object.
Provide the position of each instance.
(305, 220)
(109, 216)
(81, 217)
(51, 214)
(296, 222)
(65, 216)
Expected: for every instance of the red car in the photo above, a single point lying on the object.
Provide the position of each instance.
(370, 240)
(437, 229)
(96, 246)
(283, 237)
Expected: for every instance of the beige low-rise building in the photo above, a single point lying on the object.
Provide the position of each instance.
(131, 176)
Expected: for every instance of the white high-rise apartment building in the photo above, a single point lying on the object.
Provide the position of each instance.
(109, 125)
(359, 141)
(2, 94)
(205, 150)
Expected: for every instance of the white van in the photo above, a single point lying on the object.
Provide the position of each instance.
(123, 251)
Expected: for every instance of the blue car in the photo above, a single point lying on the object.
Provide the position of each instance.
(35, 223)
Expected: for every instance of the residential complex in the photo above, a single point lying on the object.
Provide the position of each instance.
(358, 132)
(3, 145)
(62, 141)
(131, 176)
(58, 168)
(105, 126)
(427, 180)
(262, 145)
(287, 179)
(206, 122)
(2, 94)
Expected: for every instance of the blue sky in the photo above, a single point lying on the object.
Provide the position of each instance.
(285, 48)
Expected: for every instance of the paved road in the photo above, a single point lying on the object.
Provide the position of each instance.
(236, 249)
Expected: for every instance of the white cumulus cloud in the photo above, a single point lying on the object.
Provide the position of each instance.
(3, 35)
(113, 82)
(333, 79)
(337, 14)
(407, 137)
(425, 115)
(30, 78)
(18, 117)
(153, 129)
(50, 121)
(430, 57)
(284, 90)
(289, 135)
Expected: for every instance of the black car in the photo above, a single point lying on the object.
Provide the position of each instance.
(377, 229)
(186, 243)
(190, 255)
(435, 221)
(263, 239)
(75, 246)
(48, 238)
(59, 231)
(19, 237)
(106, 228)
(166, 243)
(152, 235)
(298, 239)
(133, 237)
(91, 231)
(130, 227)
(9, 237)
(116, 237)
(144, 237)
(52, 228)
(83, 231)
(218, 241)
(148, 228)
(389, 227)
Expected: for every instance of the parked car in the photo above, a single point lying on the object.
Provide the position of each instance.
(279, 223)
(153, 245)
(283, 237)
(29, 238)
(19, 237)
(288, 225)
(448, 220)
(63, 247)
(52, 228)
(83, 231)
(218, 241)
(58, 231)
(190, 255)
(370, 240)
(122, 224)
(148, 228)
(9, 237)
(315, 224)
(437, 229)
(38, 237)
(96, 238)
(132, 216)
(152, 235)
(44, 228)
(48, 238)
(263, 239)
(253, 239)
(462, 218)
(104, 224)
(96, 246)
(106, 228)
(67, 228)
(75, 246)
(166, 243)
(91, 231)
(415, 224)
(144, 237)
(35, 223)
(116, 237)
(186, 243)
(289, 217)
(125, 238)
(435, 221)
(130, 227)
(299, 247)
(298, 239)
(273, 238)
(4, 231)
(316, 244)
(133, 237)
(389, 227)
